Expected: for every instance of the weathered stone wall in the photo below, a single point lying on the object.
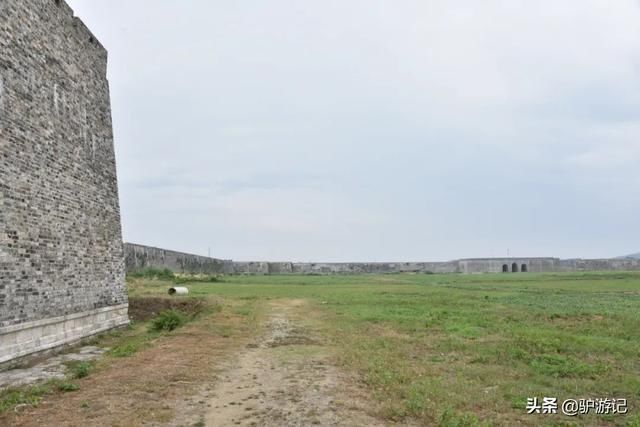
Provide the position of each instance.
(61, 254)
(498, 265)
(621, 264)
(139, 257)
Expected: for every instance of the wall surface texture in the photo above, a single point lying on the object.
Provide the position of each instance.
(61, 252)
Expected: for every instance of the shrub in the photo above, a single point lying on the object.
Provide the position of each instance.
(81, 369)
(67, 387)
(168, 321)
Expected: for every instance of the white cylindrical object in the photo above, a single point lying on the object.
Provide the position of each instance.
(178, 290)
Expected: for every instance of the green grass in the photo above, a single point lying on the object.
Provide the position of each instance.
(66, 386)
(152, 273)
(467, 349)
(30, 396)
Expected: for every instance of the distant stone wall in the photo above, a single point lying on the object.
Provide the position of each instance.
(61, 255)
(509, 265)
(617, 264)
(138, 257)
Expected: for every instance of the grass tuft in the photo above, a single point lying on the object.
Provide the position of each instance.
(68, 387)
(80, 369)
(168, 321)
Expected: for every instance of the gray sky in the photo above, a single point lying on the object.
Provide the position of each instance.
(376, 130)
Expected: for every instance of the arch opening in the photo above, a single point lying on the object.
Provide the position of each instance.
(514, 268)
(505, 268)
(524, 268)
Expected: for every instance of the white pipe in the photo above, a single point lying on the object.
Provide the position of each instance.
(178, 290)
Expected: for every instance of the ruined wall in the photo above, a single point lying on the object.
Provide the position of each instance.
(139, 257)
(61, 254)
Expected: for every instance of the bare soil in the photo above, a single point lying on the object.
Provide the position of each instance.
(286, 379)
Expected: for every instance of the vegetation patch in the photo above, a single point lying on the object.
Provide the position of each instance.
(168, 321)
(198, 278)
(152, 273)
(28, 396)
(142, 309)
(67, 387)
(79, 370)
(125, 350)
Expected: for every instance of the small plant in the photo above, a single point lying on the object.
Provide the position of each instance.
(124, 350)
(168, 321)
(81, 369)
(68, 387)
(451, 419)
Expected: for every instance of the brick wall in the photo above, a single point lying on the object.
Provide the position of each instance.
(61, 247)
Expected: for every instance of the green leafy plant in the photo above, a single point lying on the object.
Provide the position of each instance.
(168, 321)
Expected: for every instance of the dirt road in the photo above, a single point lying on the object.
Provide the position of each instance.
(286, 379)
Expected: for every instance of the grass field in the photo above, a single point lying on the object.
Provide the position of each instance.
(467, 350)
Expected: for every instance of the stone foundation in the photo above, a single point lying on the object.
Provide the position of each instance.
(33, 337)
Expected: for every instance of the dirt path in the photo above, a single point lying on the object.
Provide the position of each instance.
(286, 379)
(198, 376)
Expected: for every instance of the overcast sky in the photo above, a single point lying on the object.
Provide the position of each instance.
(376, 130)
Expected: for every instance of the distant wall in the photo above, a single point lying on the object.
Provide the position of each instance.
(511, 265)
(138, 257)
(621, 264)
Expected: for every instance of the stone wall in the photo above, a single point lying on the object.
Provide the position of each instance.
(139, 257)
(511, 265)
(617, 264)
(61, 253)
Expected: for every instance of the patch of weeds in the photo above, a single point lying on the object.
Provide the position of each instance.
(80, 369)
(124, 350)
(243, 311)
(168, 321)
(519, 403)
(451, 419)
(634, 422)
(66, 386)
(30, 396)
(564, 367)
(199, 423)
